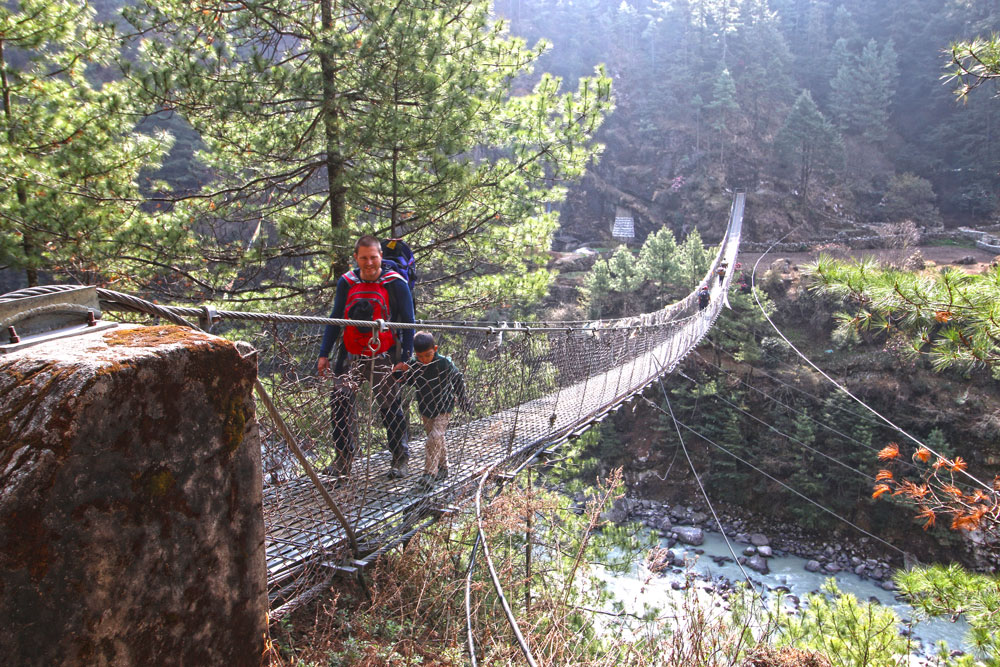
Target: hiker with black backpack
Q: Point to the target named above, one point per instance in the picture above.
(704, 296)
(372, 291)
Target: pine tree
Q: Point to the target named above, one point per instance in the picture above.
(810, 41)
(850, 632)
(70, 158)
(967, 138)
(842, 61)
(950, 317)
(862, 92)
(379, 119)
(625, 274)
(975, 62)
(694, 259)
(845, 27)
(723, 110)
(809, 139)
(763, 82)
(948, 590)
(626, 34)
(596, 288)
(659, 258)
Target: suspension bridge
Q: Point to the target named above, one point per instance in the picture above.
(533, 386)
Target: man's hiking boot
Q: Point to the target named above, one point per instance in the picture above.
(340, 469)
(442, 473)
(399, 469)
(425, 482)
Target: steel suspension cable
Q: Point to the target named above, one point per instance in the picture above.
(753, 277)
(549, 367)
(783, 434)
(856, 415)
(797, 411)
(786, 486)
(697, 478)
(496, 579)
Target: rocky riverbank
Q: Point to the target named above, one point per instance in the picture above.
(756, 540)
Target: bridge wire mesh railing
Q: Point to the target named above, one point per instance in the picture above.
(530, 385)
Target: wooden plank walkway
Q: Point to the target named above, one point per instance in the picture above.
(302, 532)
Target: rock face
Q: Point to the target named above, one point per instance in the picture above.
(131, 530)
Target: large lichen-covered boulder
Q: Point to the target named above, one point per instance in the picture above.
(131, 530)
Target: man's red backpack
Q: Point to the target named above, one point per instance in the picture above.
(369, 302)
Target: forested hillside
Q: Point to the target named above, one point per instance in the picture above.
(281, 142)
(828, 112)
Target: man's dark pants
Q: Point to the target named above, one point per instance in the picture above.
(388, 397)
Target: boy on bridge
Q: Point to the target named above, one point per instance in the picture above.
(438, 386)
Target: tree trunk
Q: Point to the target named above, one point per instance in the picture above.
(30, 249)
(334, 157)
(394, 222)
(30, 272)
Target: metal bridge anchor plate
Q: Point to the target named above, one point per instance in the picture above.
(41, 318)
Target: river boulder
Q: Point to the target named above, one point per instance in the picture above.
(755, 563)
(690, 535)
(759, 540)
(813, 566)
(758, 564)
(618, 513)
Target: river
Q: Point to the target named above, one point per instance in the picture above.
(638, 587)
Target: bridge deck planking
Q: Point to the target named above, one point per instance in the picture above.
(302, 530)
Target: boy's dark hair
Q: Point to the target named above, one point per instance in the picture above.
(422, 341)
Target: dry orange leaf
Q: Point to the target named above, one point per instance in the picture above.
(890, 451)
(880, 489)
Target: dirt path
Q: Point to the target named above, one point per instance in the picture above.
(933, 256)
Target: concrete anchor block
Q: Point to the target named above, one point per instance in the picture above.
(131, 529)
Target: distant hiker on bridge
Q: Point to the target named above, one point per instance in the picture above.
(438, 386)
(721, 271)
(369, 292)
(703, 297)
